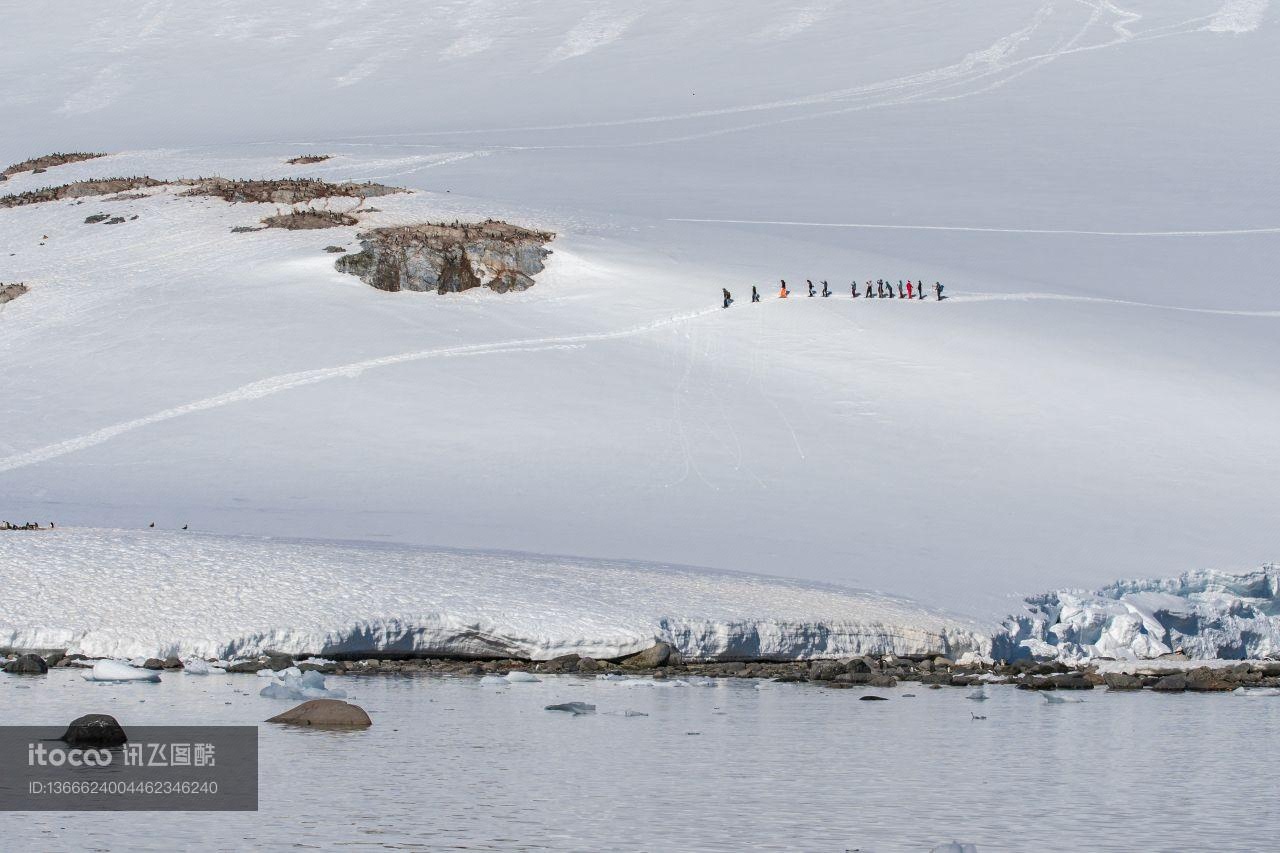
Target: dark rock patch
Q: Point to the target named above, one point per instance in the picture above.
(308, 159)
(95, 731)
(27, 665)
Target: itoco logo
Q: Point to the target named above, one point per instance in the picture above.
(38, 755)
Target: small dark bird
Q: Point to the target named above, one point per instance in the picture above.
(153, 524)
(184, 527)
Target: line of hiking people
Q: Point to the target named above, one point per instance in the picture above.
(883, 290)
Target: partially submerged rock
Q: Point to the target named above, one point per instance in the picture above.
(449, 258)
(325, 713)
(27, 665)
(94, 731)
(574, 708)
(307, 159)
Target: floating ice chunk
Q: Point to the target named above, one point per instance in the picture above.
(574, 708)
(118, 670)
(195, 666)
(494, 680)
(138, 662)
(611, 676)
(1060, 700)
(520, 677)
(1258, 693)
(630, 713)
(266, 673)
(955, 847)
(979, 695)
(307, 685)
(700, 681)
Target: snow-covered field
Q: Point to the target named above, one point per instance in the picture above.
(1094, 182)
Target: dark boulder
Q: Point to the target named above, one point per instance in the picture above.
(1170, 684)
(652, 657)
(563, 663)
(1122, 681)
(1204, 679)
(27, 665)
(95, 731)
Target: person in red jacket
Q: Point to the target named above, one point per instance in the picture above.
(910, 293)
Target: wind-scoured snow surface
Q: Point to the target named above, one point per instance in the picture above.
(1203, 614)
(1093, 180)
(131, 594)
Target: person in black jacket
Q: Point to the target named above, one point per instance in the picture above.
(755, 294)
(811, 291)
(728, 297)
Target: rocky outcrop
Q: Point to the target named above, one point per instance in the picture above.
(10, 292)
(449, 258)
(283, 190)
(307, 159)
(47, 161)
(305, 219)
(80, 189)
(275, 191)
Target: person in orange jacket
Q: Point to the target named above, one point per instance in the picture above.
(782, 294)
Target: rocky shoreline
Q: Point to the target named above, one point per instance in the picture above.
(663, 662)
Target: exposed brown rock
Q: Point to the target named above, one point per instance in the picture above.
(449, 258)
(47, 161)
(304, 219)
(325, 713)
(10, 292)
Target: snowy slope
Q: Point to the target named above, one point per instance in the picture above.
(130, 594)
(1098, 400)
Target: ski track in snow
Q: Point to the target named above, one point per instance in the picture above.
(999, 60)
(288, 381)
(1233, 232)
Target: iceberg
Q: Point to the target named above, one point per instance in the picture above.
(1202, 614)
(118, 670)
(520, 677)
(296, 686)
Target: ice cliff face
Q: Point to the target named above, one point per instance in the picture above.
(1204, 614)
(449, 258)
(154, 593)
